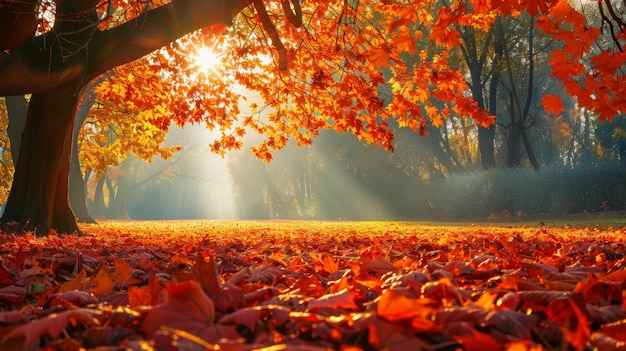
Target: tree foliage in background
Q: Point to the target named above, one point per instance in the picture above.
(6, 162)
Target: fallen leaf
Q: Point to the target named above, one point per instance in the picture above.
(149, 295)
(383, 335)
(5, 277)
(52, 325)
(186, 308)
(343, 300)
(77, 283)
(250, 317)
(225, 298)
(71, 299)
(102, 282)
(393, 305)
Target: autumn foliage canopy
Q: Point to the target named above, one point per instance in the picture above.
(287, 71)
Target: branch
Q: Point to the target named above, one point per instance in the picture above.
(156, 28)
(269, 27)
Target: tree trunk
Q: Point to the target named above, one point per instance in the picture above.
(513, 151)
(39, 196)
(529, 150)
(78, 199)
(17, 108)
(488, 135)
(486, 148)
(98, 207)
(475, 63)
(77, 188)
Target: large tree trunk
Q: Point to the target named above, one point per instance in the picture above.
(39, 196)
(17, 108)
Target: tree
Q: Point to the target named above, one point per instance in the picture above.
(54, 67)
(319, 64)
(483, 66)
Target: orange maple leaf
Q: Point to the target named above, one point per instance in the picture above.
(394, 305)
(102, 282)
(384, 335)
(149, 295)
(76, 283)
(379, 57)
(578, 337)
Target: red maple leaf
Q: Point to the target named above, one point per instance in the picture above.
(252, 316)
(186, 308)
(578, 337)
(52, 325)
(342, 300)
(384, 335)
(5, 277)
(224, 296)
(552, 103)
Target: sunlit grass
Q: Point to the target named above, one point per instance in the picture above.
(436, 233)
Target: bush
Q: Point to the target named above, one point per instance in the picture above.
(552, 190)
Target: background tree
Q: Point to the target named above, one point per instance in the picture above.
(120, 130)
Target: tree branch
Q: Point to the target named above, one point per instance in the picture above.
(156, 28)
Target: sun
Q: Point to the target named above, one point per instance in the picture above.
(206, 60)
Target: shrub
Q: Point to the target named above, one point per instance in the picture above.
(553, 190)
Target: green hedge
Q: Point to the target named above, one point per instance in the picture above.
(552, 190)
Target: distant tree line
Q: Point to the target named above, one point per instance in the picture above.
(438, 176)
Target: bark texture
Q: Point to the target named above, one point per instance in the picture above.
(38, 200)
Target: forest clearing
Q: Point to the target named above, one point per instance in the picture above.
(312, 285)
(507, 110)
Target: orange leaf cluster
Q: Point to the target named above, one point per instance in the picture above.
(358, 68)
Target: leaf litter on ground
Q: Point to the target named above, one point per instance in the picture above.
(304, 285)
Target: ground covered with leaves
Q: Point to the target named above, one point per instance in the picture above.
(191, 285)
